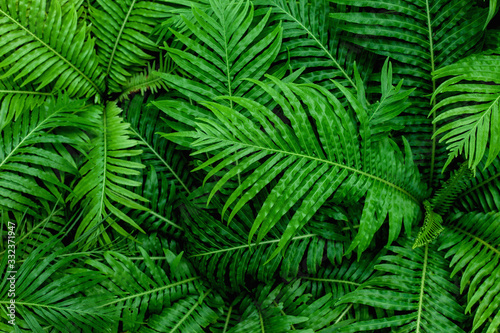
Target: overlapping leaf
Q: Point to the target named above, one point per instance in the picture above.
(473, 243)
(49, 47)
(122, 29)
(310, 167)
(146, 287)
(416, 286)
(48, 297)
(470, 106)
(31, 149)
(419, 37)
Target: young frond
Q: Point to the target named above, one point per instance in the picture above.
(431, 229)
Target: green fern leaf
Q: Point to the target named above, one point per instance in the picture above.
(473, 242)
(484, 191)
(122, 29)
(415, 281)
(478, 101)
(431, 229)
(49, 48)
(420, 37)
(314, 167)
(103, 182)
(26, 155)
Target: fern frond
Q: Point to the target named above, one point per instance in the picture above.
(315, 167)
(14, 100)
(145, 288)
(26, 154)
(122, 29)
(310, 39)
(456, 185)
(49, 295)
(473, 243)
(472, 111)
(484, 191)
(49, 48)
(431, 229)
(145, 123)
(104, 174)
(419, 37)
(141, 82)
(416, 286)
(342, 279)
(227, 45)
(225, 258)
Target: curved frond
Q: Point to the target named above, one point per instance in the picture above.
(473, 243)
(224, 257)
(451, 189)
(431, 228)
(14, 100)
(309, 167)
(122, 29)
(415, 284)
(104, 175)
(419, 37)
(224, 46)
(46, 295)
(49, 48)
(470, 107)
(145, 287)
(26, 154)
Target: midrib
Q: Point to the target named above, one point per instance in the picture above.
(434, 126)
(342, 166)
(53, 51)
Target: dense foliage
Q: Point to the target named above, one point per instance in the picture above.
(249, 166)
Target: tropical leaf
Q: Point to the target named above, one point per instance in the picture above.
(227, 45)
(104, 175)
(49, 48)
(190, 314)
(484, 191)
(447, 194)
(145, 287)
(31, 150)
(431, 228)
(416, 286)
(473, 242)
(222, 254)
(470, 108)
(419, 37)
(47, 296)
(14, 100)
(315, 167)
(122, 29)
(311, 40)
